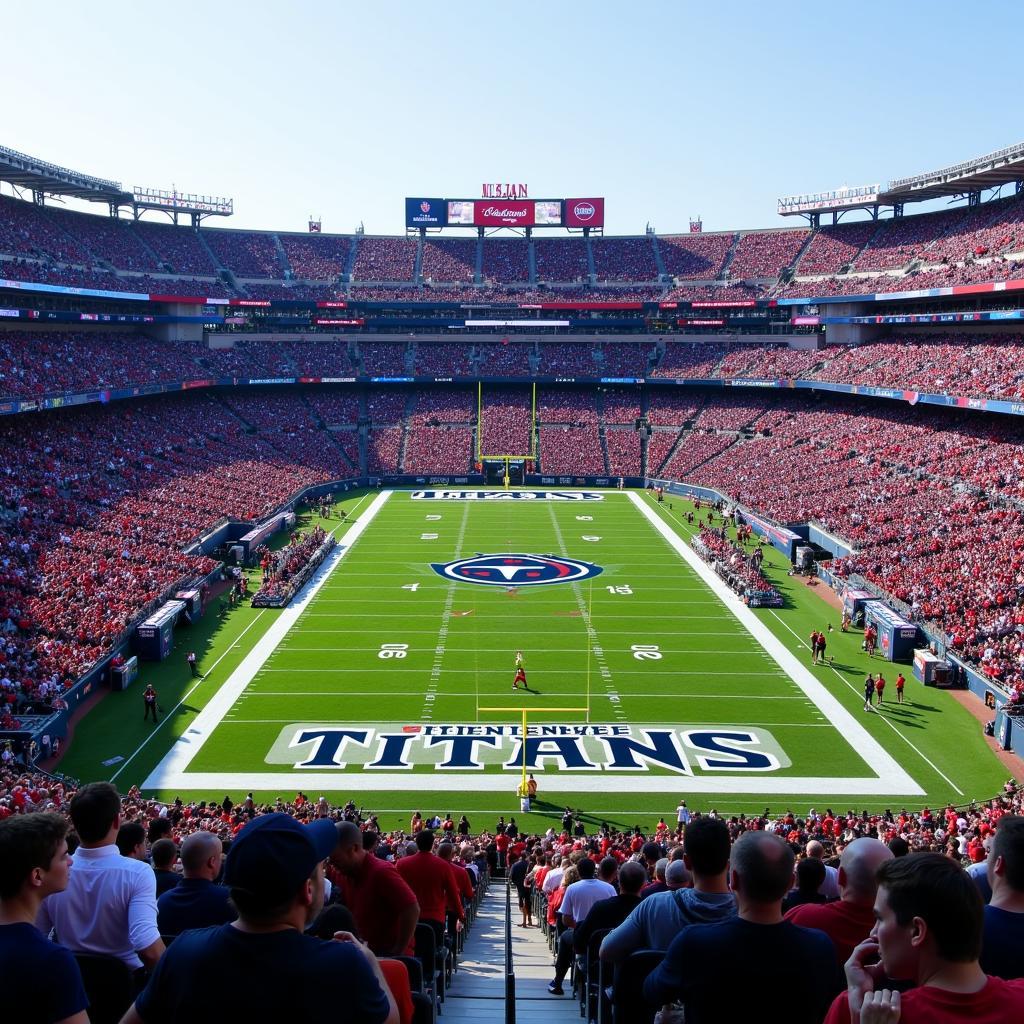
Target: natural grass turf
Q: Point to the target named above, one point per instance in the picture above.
(711, 672)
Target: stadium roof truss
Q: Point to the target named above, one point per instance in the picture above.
(969, 179)
(45, 178)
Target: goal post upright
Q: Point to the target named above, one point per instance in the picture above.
(526, 712)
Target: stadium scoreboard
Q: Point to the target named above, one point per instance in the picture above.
(504, 213)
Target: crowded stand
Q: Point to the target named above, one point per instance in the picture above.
(694, 449)
(902, 239)
(765, 253)
(671, 409)
(695, 257)
(769, 361)
(317, 257)
(451, 360)
(561, 259)
(449, 259)
(179, 248)
(625, 359)
(623, 452)
(383, 358)
(505, 427)
(249, 357)
(335, 408)
(245, 253)
(434, 407)
(319, 356)
(446, 449)
(686, 359)
(987, 230)
(624, 259)
(505, 260)
(107, 238)
(740, 569)
(659, 445)
(710, 293)
(571, 450)
(835, 246)
(285, 570)
(289, 291)
(620, 405)
(101, 538)
(506, 358)
(567, 358)
(386, 406)
(745, 879)
(34, 363)
(410, 293)
(561, 405)
(382, 450)
(384, 259)
(26, 230)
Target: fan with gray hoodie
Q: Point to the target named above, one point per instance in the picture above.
(659, 918)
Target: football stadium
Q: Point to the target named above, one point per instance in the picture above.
(666, 583)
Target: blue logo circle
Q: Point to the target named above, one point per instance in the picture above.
(516, 570)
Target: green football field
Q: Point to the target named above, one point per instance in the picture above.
(390, 681)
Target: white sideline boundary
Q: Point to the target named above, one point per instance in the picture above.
(171, 769)
(890, 778)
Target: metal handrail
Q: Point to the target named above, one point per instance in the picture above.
(510, 974)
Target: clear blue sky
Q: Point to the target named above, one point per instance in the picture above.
(667, 109)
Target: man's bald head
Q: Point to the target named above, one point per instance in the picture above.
(350, 852)
(200, 855)
(445, 851)
(815, 849)
(858, 867)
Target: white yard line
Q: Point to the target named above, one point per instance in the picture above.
(176, 760)
(889, 723)
(870, 750)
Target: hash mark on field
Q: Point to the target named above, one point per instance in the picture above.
(592, 639)
(442, 634)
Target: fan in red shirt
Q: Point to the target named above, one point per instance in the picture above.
(928, 930)
(384, 907)
(430, 878)
(848, 920)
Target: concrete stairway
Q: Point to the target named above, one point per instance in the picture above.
(477, 995)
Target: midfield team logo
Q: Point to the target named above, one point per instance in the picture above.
(516, 570)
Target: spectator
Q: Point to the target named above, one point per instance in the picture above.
(109, 906)
(1003, 936)
(810, 875)
(275, 873)
(39, 979)
(657, 920)
(611, 912)
(848, 921)
(163, 854)
(384, 907)
(929, 932)
(430, 878)
(196, 901)
(754, 953)
(131, 841)
(579, 898)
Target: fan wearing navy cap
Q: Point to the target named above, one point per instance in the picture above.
(275, 873)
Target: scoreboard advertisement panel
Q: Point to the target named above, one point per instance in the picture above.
(504, 213)
(425, 213)
(584, 213)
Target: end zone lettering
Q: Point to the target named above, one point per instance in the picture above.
(507, 496)
(680, 750)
